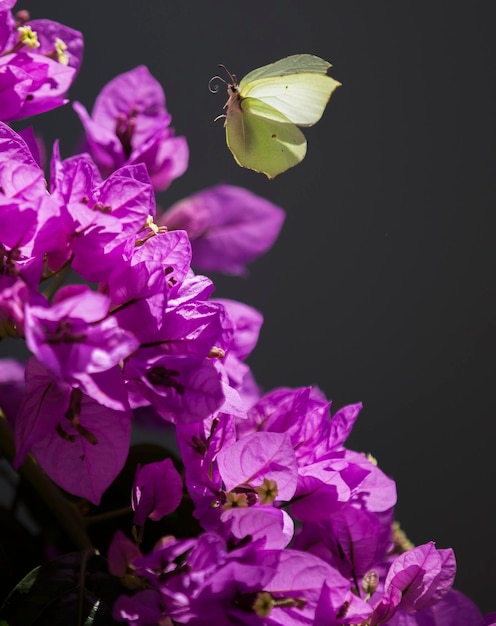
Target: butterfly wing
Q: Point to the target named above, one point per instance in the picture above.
(302, 98)
(263, 139)
(294, 64)
(298, 87)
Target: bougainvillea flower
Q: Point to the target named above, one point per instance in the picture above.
(180, 387)
(199, 444)
(245, 585)
(29, 217)
(107, 221)
(228, 227)
(423, 575)
(81, 444)
(377, 492)
(257, 457)
(73, 179)
(350, 540)
(59, 42)
(345, 476)
(142, 286)
(74, 336)
(21, 178)
(454, 609)
(304, 414)
(194, 287)
(174, 368)
(157, 491)
(269, 523)
(25, 85)
(256, 472)
(19, 256)
(324, 486)
(121, 552)
(305, 576)
(38, 63)
(130, 124)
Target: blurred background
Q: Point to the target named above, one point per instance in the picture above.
(381, 287)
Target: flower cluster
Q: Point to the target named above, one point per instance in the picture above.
(295, 527)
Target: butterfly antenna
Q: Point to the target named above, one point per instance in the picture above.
(214, 87)
(232, 77)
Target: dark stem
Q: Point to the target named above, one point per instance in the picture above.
(82, 575)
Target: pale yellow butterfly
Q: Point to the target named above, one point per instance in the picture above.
(266, 107)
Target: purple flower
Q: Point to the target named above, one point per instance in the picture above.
(145, 286)
(200, 443)
(80, 344)
(25, 237)
(329, 476)
(207, 581)
(102, 221)
(121, 552)
(306, 577)
(350, 540)
(180, 387)
(59, 42)
(424, 575)
(269, 523)
(228, 227)
(259, 457)
(454, 609)
(81, 444)
(130, 124)
(30, 220)
(234, 485)
(174, 369)
(304, 414)
(157, 491)
(21, 178)
(38, 63)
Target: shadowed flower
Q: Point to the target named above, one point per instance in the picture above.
(81, 444)
(157, 491)
(228, 227)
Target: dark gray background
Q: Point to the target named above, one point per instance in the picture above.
(381, 286)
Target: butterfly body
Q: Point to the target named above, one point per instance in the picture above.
(266, 107)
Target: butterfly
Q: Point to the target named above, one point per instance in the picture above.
(266, 107)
